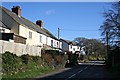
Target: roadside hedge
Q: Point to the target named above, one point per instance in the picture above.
(11, 63)
(50, 56)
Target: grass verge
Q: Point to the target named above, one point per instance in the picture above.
(27, 74)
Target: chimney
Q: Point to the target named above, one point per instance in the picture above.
(39, 23)
(17, 10)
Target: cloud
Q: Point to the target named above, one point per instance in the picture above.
(49, 12)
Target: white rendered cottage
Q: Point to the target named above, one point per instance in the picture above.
(25, 31)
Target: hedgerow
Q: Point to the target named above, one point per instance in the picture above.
(11, 63)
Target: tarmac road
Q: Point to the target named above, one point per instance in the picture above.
(92, 70)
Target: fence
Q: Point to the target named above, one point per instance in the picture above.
(19, 49)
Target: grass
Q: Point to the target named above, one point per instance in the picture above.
(31, 72)
(27, 74)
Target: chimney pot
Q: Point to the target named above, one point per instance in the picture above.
(39, 23)
(17, 10)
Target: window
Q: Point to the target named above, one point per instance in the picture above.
(73, 49)
(71, 46)
(77, 47)
(40, 38)
(30, 34)
(57, 45)
(52, 43)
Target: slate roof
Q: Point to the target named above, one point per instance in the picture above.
(28, 23)
(69, 42)
(3, 25)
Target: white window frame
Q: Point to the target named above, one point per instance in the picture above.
(30, 35)
(40, 38)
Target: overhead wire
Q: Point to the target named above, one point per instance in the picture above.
(76, 30)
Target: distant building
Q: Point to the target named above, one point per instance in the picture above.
(82, 50)
(69, 46)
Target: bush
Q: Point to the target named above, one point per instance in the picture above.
(50, 55)
(36, 58)
(25, 58)
(81, 57)
(47, 58)
(58, 59)
(10, 62)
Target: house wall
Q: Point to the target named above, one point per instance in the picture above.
(60, 45)
(65, 46)
(35, 40)
(4, 30)
(7, 31)
(78, 48)
(49, 41)
(44, 39)
(8, 21)
(74, 48)
(56, 43)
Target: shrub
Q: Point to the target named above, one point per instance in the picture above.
(81, 57)
(10, 62)
(59, 59)
(25, 58)
(50, 55)
(53, 53)
(47, 58)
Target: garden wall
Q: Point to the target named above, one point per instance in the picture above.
(19, 49)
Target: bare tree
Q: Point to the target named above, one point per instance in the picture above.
(111, 25)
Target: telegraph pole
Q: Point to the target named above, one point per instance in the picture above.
(58, 33)
(107, 44)
(59, 37)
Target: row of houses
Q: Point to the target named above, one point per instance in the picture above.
(15, 28)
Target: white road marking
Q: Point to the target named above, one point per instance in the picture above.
(76, 73)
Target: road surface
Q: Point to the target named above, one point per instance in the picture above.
(92, 70)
